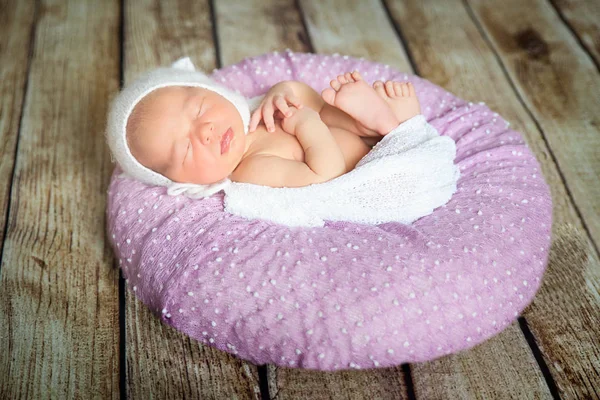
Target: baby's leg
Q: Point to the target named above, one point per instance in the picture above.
(349, 93)
(400, 97)
(334, 117)
(353, 146)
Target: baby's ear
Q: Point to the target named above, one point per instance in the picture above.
(184, 63)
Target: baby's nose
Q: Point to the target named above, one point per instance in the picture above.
(207, 131)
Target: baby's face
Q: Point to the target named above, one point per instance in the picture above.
(187, 134)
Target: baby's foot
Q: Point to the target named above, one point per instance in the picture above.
(351, 94)
(401, 98)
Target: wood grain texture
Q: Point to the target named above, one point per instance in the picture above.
(559, 84)
(565, 317)
(450, 51)
(483, 372)
(292, 384)
(583, 16)
(59, 329)
(358, 28)
(16, 22)
(161, 362)
(253, 27)
(159, 32)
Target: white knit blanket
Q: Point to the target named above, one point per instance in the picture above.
(408, 174)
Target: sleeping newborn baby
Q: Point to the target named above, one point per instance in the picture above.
(354, 152)
(295, 137)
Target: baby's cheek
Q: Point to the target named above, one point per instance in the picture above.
(138, 152)
(159, 160)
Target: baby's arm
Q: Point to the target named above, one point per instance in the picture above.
(323, 157)
(307, 95)
(321, 151)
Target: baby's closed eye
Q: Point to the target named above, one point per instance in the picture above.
(201, 107)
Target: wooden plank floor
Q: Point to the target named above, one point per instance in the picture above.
(69, 328)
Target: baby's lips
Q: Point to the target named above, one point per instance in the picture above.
(226, 140)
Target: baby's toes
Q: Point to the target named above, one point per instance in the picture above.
(389, 88)
(405, 89)
(342, 79)
(335, 84)
(397, 89)
(411, 89)
(329, 96)
(380, 89)
(349, 77)
(357, 77)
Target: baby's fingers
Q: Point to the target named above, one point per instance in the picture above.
(268, 112)
(255, 119)
(279, 115)
(282, 105)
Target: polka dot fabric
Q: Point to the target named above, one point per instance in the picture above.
(345, 295)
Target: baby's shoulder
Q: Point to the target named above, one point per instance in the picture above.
(280, 144)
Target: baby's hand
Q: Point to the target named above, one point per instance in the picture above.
(277, 98)
(297, 118)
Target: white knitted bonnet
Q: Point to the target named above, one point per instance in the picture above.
(181, 73)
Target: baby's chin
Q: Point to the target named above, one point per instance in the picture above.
(195, 179)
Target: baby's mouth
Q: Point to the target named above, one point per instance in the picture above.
(226, 140)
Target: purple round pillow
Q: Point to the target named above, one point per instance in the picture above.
(346, 295)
